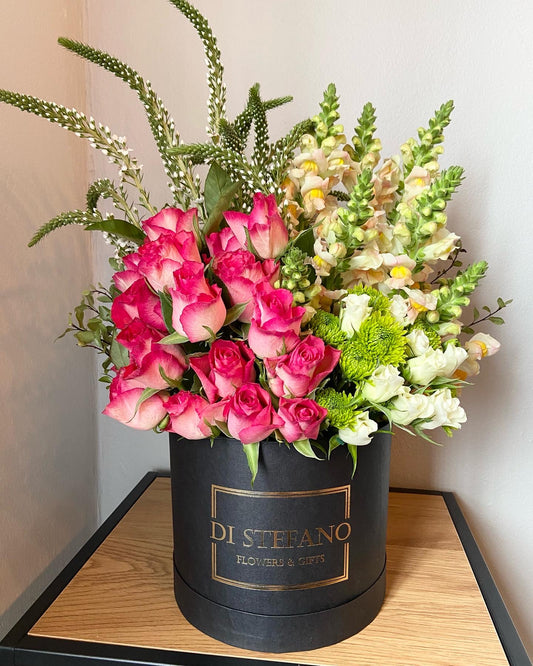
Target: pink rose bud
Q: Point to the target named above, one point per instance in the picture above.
(123, 405)
(169, 219)
(241, 272)
(138, 302)
(266, 229)
(302, 419)
(227, 366)
(249, 414)
(300, 372)
(158, 259)
(167, 360)
(222, 241)
(275, 325)
(198, 310)
(186, 411)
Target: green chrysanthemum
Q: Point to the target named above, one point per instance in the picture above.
(342, 408)
(378, 301)
(379, 341)
(432, 335)
(326, 326)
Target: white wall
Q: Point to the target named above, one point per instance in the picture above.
(407, 58)
(47, 445)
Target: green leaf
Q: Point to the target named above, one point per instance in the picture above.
(501, 303)
(352, 448)
(216, 183)
(166, 310)
(305, 241)
(147, 393)
(120, 356)
(175, 383)
(497, 320)
(223, 428)
(118, 228)
(476, 313)
(219, 192)
(467, 329)
(234, 313)
(304, 447)
(334, 442)
(252, 456)
(84, 338)
(173, 339)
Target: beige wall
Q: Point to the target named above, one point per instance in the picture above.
(47, 440)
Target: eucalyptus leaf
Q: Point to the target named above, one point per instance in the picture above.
(252, 456)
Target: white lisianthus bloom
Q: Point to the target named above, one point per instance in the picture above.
(435, 363)
(398, 309)
(440, 246)
(354, 311)
(360, 432)
(418, 341)
(408, 407)
(384, 384)
(481, 345)
(446, 411)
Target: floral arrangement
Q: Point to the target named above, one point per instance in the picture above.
(305, 291)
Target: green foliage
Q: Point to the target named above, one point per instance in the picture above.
(325, 121)
(359, 209)
(428, 149)
(453, 297)
(216, 104)
(161, 123)
(62, 220)
(92, 327)
(363, 141)
(295, 273)
(99, 137)
(219, 192)
(260, 153)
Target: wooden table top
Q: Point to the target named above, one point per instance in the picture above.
(433, 612)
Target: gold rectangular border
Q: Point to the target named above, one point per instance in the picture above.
(289, 493)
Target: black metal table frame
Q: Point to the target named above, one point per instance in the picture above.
(20, 649)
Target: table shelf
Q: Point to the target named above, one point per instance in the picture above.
(114, 603)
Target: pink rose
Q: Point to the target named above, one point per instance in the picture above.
(137, 302)
(300, 372)
(159, 259)
(169, 219)
(186, 411)
(198, 310)
(167, 358)
(123, 400)
(241, 272)
(302, 419)
(249, 414)
(222, 241)
(266, 229)
(275, 325)
(227, 366)
(137, 337)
